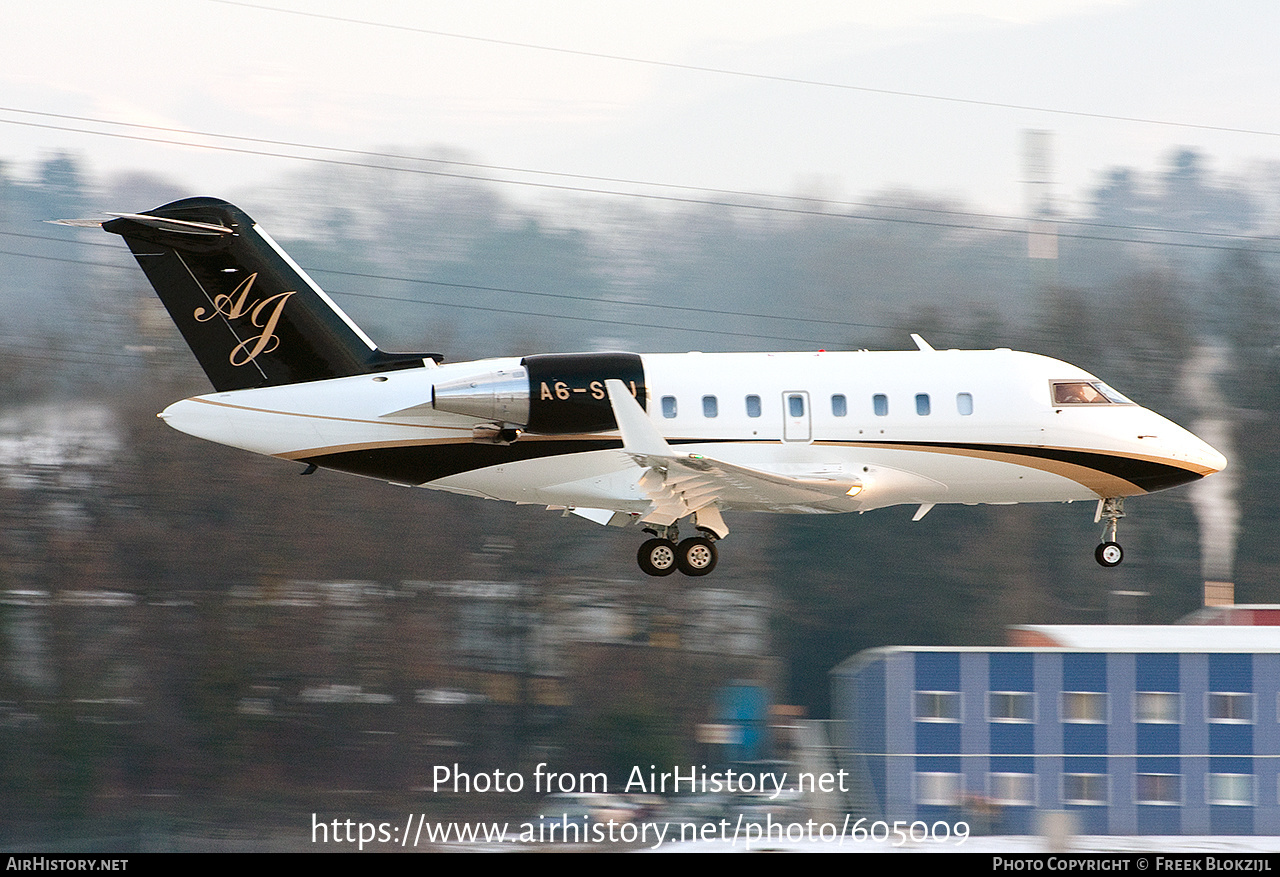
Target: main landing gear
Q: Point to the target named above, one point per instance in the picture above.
(665, 553)
(1111, 510)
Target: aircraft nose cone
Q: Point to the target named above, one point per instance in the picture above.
(1212, 459)
(1202, 453)
(1199, 455)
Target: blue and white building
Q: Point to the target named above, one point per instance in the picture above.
(1135, 729)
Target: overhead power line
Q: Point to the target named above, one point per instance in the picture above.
(506, 310)
(755, 201)
(579, 299)
(748, 74)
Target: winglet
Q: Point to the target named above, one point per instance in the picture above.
(639, 435)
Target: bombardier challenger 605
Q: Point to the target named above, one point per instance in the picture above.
(650, 440)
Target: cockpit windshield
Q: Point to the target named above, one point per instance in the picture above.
(1087, 393)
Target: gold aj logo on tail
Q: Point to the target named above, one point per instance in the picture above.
(263, 314)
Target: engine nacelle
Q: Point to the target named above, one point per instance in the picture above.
(550, 393)
(500, 396)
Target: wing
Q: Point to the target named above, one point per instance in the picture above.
(679, 484)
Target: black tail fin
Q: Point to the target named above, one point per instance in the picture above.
(252, 317)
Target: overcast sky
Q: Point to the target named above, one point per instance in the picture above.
(229, 68)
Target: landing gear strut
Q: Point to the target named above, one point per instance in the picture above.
(1111, 510)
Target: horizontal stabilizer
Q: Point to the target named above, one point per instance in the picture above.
(178, 226)
(78, 223)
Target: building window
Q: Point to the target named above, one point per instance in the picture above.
(964, 403)
(1232, 789)
(668, 406)
(880, 402)
(1084, 788)
(938, 789)
(753, 406)
(1013, 789)
(922, 404)
(1011, 706)
(710, 407)
(1084, 706)
(1230, 708)
(937, 706)
(839, 407)
(1157, 707)
(1158, 788)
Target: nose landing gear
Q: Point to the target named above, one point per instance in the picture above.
(1111, 510)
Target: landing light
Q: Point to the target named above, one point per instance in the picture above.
(854, 491)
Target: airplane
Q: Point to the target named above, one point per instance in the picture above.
(626, 439)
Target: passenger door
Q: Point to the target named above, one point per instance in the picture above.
(796, 418)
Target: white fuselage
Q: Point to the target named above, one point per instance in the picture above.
(952, 426)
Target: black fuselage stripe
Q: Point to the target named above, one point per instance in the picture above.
(419, 464)
(1150, 475)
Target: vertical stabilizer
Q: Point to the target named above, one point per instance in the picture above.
(250, 314)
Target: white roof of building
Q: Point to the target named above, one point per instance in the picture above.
(1149, 637)
(1197, 636)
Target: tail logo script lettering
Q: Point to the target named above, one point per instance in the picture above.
(264, 315)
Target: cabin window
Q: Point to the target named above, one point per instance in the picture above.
(839, 407)
(964, 403)
(668, 406)
(795, 405)
(922, 404)
(710, 408)
(880, 402)
(753, 406)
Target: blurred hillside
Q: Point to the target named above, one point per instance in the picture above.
(149, 643)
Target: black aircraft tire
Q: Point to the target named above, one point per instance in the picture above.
(1109, 554)
(657, 557)
(697, 556)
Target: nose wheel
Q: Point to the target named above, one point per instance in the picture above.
(1109, 554)
(1110, 510)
